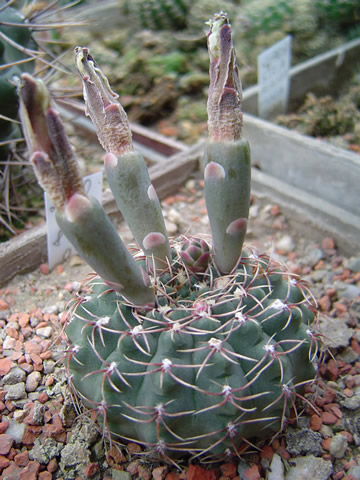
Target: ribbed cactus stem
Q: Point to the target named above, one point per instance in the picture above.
(227, 156)
(125, 169)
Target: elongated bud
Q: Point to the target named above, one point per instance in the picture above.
(52, 155)
(108, 116)
(227, 155)
(225, 93)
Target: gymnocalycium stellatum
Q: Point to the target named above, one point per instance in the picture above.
(191, 346)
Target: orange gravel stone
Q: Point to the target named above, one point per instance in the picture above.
(6, 442)
(315, 423)
(30, 472)
(44, 268)
(4, 462)
(348, 392)
(198, 473)
(252, 473)
(172, 476)
(52, 465)
(228, 470)
(4, 426)
(45, 475)
(5, 365)
(3, 305)
(326, 444)
(24, 319)
(33, 347)
(328, 418)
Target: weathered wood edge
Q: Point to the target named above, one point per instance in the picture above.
(25, 252)
(314, 166)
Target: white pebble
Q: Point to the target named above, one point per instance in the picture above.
(44, 332)
(32, 381)
(171, 227)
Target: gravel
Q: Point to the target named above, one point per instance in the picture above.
(42, 436)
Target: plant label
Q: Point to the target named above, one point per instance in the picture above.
(58, 246)
(273, 78)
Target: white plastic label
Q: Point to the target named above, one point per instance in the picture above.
(58, 246)
(273, 78)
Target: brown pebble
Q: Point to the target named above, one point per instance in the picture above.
(159, 473)
(324, 303)
(33, 347)
(22, 459)
(328, 243)
(315, 423)
(328, 418)
(49, 381)
(24, 319)
(43, 397)
(45, 475)
(46, 355)
(6, 442)
(339, 475)
(52, 465)
(348, 392)
(27, 367)
(44, 268)
(5, 365)
(12, 471)
(228, 469)
(91, 469)
(172, 476)
(133, 448)
(3, 305)
(4, 462)
(332, 370)
(340, 308)
(4, 426)
(30, 472)
(326, 444)
(275, 210)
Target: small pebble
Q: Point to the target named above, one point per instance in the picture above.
(32, 381)
(16, 391)
(44, 332)
(338, 445)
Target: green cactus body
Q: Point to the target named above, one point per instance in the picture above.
(187, 346)
(219, 359)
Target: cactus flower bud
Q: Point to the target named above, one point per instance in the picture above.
(195, 254)
(52, 155)
(108, 116)
(224, 100)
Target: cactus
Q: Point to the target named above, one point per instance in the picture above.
(158, 14)
(190, 346)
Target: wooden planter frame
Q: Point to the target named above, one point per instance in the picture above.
(316, 184)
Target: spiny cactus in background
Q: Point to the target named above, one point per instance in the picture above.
(23, 48)
(158, 14)
(315, 26)
(189, 346)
